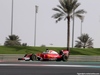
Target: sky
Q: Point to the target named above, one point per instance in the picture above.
(47, 32)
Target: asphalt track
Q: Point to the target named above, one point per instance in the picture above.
(49, 68)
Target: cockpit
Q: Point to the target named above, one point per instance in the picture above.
(50, 52)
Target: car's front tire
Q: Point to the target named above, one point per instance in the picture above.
(33, 57)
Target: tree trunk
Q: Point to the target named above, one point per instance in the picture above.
(84, 45)
(68, 33)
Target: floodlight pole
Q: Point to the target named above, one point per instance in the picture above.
(12, 18)
(81, 27)
(36, 10)
(73, 31)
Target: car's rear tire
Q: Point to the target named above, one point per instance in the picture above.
(64, 57)
(33, 57)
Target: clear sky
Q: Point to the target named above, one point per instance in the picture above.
(47, 30)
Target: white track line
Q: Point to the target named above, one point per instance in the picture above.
(41, 65)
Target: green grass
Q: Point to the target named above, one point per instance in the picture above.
(91, 51)
(29, 49)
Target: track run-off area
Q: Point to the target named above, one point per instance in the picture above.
(49, 67)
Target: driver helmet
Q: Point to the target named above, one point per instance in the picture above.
(47, 50)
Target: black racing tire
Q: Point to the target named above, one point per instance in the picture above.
(33, 57)
(64, 57)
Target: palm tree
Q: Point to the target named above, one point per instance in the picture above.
(84, 41)
(12, 40)
(65, 11)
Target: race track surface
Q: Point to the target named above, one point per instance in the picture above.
(49, 68)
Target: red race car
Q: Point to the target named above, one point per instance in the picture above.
(47, 55)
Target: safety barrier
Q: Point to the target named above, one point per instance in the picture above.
(83, 58)
(72, 58)
(10, 57)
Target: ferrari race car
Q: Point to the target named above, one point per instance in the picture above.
(48, 55)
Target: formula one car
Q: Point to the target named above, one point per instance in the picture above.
(48, 55)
